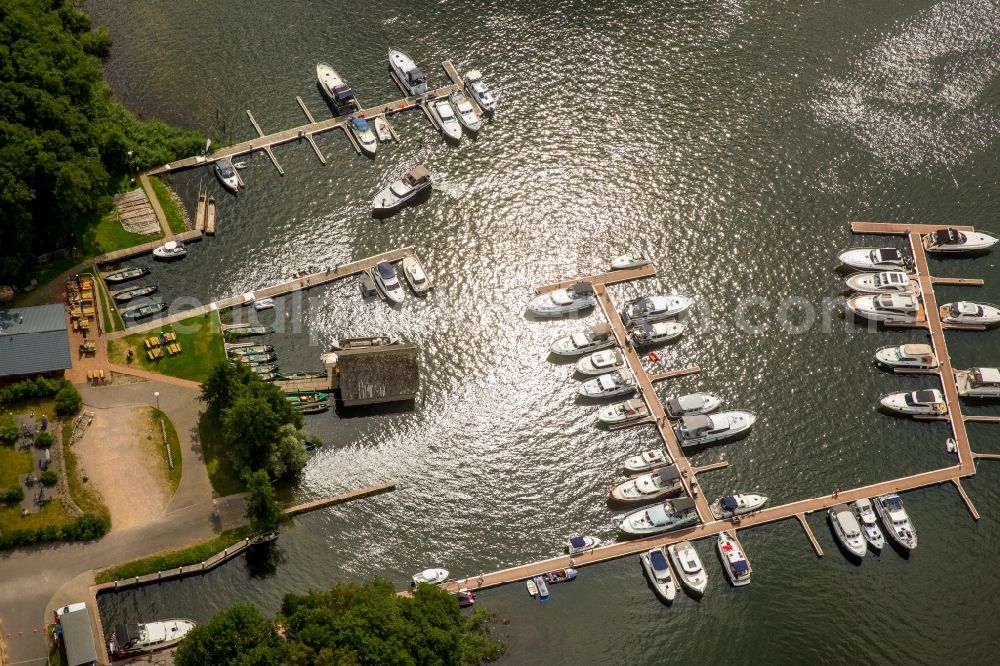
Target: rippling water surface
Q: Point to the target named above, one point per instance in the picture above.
(732, 140)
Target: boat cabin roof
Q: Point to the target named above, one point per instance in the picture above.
(386, 270)
(741, 566)
(927, 396)
(419, 173)
(917, 350)
(946, 236)
(669, 473)
(657, 560)
(415, 76)
(966, 308)
(359, 123)
(695, 423)
(606, 382)
(601, 329)
(730, 503)
(473, 74)
(897, 301)
(893, 277)
(986, 375)
(578, 541)
(888, 254)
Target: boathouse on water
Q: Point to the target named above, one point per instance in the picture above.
(370, 375)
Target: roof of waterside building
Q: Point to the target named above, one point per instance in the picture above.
(33, 340)
(378, 374)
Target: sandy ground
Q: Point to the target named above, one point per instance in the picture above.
(119, 456)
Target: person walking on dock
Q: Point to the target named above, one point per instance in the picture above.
(836, 491)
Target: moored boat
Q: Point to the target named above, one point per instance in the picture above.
(301, 374)
(876, 259)
(446, 120)
(953, 241)
(967, 312)
(868, 520)
(415, 276)
(311, 407)
(886, 308)
(464, 597)
(927, 402)
(264, 369)
(126, 295)
(600, 362)
(126, 274)
(622, 412)
(890, 509)
(542, 587)
(692, 404)
(129, 639)
(561, 302)
(883, 283)
(661, 332)
(632, 259)
(466, 113)
(382, 131)
(254, 359)
(907, 356)
(335, 89)
(305, 397)
(978, 382)
(403, 191)
(738, 504)
(249, 350)
(362, 131)
(430, 576)
(147, 310)
(646, 461)
(657, 569)
(245, 330)
(262, 304)
(363, 342)
(847, 530)
(385, 277)
(559, 576)
(170, 250)
(477, 88)
(661, 517)
(576, 545)
(609, 385)
(734, 559)
(407, 72)
(663, 483)
(226, 173)
(653, 308)
(690, 571)
(599, 336)
(698, 430)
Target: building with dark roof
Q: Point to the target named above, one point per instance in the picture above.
(78, 638)
(34, 341)
(372, 375)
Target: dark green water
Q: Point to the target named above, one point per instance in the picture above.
(734, 141)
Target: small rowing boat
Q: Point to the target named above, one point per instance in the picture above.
(126, 274)
(126, 295)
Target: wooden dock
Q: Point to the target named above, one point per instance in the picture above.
(370, 491)
(145, 248)
(613, 277)
(670, 374)
(899, 229)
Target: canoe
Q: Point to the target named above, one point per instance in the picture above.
(144, 310)
(126, 295)
(126, 274)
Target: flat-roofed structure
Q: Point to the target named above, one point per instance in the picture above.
(34, 341)
(78, 638)
(371, 375)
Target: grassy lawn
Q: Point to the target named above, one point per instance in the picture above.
(201, 349)
(86, 496)
(175, 218)
(13, 463)
(109, 313)
(172, 559)
(110, 235)
(173, 475)
(225, 479)
(52, 514)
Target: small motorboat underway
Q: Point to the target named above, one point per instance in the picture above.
(227, 175)
(126, 274)
(147, 310)
(654, 562)
(928, 402)
(907, 356)
(610, 385)
(622, 412)
(403, 191)
(466, 113)
(887, 308)
(559, 576)
(430, 576)
(132, 639)
(646, 461)
(663, 517)
(170, 250)
(382, 131)
(598, 336)
(653, 308)
(410, 76)
(484, 98)
(336, 90)
(415, 276)
(890, 510)
(692, 404)
(563, 301)
(632, 259)
(734, 560)
(736, 505)
(697, 430)
(875, 259)
(967, 312)
(664, 483)
(262, 304)
(600, 362)
(575, 545)
(848, 530)
(978, 382)
(646, 335)
(866, 517)
(126, 295)
(385, 277)
(446, 120)
(953, 241)
(883, 283)
(362, 131)
(690, 571)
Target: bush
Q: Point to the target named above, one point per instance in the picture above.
(68, 400)
(86, 527)
(9, 433)
(13, 494)
(44, 439)
(48, 478)
(31, 389)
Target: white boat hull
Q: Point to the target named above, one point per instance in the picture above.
(600, 362)
(665, 588)
(730, 551)
(646, 462)
(896, 403)
(894, 357)
(974, 242)
(740, 423)
(688, 567)
(872, 283)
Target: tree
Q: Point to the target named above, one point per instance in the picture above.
(68, 400)
(288, 455)
(250, 429)
(224, 381)
(263, 511)
(240, 636)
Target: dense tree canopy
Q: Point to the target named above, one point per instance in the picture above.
(263, 511)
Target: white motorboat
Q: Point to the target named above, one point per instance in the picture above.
(632, 259)
(576, 545)
(662, 517)
(890, 509)
(430, 576)
(663, 483)
(466, 113)
(385, 277)
(336, 90)
(129, 639)
(692, 404)
(967, 312)
(563, 301)
(599, 336)
(866, 517)
(362, 131)
(382, 131)
(227, 175)
(848, 530)
(928, 402)
(532, 587)
(484, 98)
(697, 430)
(403, 191)
(883, 283)
(170, 250)
(409, 75)
(415, 276)
(953, 241)
(609, 385)
(690, 571)
(263, 304)
(907, 356)
(736, 505)
(876, 259)
(653, 308)
(734, 560)
(446, 119)
(646, 461)
(887, 308)
(978, 382)
(646, 335)
(654, 562)
(602, 361)
(621, 412)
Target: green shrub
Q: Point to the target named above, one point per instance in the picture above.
(44, 439)
(48, 478)
(9, 433)
(68, 400)
(13, 494)
(31, 389)
(86, 527)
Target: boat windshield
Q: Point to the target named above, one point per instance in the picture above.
(225, 170)
(359, 124)
(386, 271)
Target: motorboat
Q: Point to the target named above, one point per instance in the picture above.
(654, 562)
(385, 277)
(692, 404)
(890, 509)
(170, 250)
(646, 461)
(978, 382)
(531, 587)
(415, 276)
(362, 131)
(653, 308)
(403, 191)
(227, 175)
(736, 505)
(951, 445)
(446, 119)
(382, 131)
(690, 572)
(622, 412)
(126, 274)
(875, 259)
(928, 402)
(887, 308)
(953, 241)
(409, 75)
(336, 90)
(126, 295)
(662, 517)
(866, 517)
(465, 598)
(734, 559)
(479, 92)
(706, 429)
(631, 259)
(886, 282)
(967, 312)
(663, 483)
(847, 530)
(146, 310)
(240, 165)
(576, 545)
(609, 385)
(560, 576)
(907, 356)
(430, 576)
(131, 638)
(542, 587)
(598, 336)
(263, 304)
(561, 302)
(466, 113)
(645, 335)
(602, 361)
